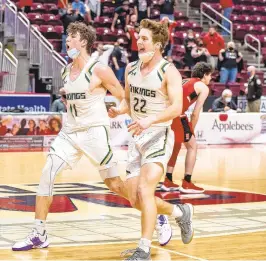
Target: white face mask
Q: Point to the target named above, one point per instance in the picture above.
(73, 53)
(146, 57)
(228, 99)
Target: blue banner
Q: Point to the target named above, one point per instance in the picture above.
(27, 102)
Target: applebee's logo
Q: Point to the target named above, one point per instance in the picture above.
(223, 125)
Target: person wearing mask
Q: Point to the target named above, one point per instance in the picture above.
(69, 16)
(121, 16)
(189, 43)
(59, 105)
(253, 91)
(132, 34)
(142, 9)
(79, 6)
(227, 6)
(200, 53)
(167, 8)
(229, 60)
(120, 60)
(224, 103)
(103, 53)
(214, 42)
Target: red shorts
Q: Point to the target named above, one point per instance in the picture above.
(182, 129)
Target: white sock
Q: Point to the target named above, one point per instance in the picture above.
(145, 244)
(40, 226)
(177, 213)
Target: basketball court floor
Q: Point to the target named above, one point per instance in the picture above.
(87, 222)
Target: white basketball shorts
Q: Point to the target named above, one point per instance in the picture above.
(153, 145)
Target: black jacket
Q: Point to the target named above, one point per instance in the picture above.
(254, 89)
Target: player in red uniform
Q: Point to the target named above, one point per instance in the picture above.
(195, 90)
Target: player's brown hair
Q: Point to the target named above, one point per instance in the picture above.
(200, 69)
(86, 33)
(159, 31)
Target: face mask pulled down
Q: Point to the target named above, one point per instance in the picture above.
(147, 56)
(73, 53)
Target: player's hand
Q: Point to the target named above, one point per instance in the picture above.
(222, 50)
(113, 112)
(137, 127)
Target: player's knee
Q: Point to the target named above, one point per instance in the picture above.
(53, 166)
(115, 185)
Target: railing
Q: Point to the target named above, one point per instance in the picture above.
(188, 7)
(22, 32)
(203, 13)
(10, 19)
(46, 58)
(1, 55)
(258, 51)
(58, 63)
(35, 57)
(10, 65)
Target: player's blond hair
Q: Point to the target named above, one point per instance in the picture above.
(159, 31)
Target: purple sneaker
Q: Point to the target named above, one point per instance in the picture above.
(163, 229)
(33, 240)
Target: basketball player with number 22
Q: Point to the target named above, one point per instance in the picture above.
(153, 91)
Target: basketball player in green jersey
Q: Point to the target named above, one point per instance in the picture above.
(153, 89)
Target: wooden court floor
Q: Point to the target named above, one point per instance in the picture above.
(87, 222)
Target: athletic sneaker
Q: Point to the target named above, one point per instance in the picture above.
(190, 188)
(163, 229)
(33, 240)
(169, 185)
(138, 255)
(185, 222)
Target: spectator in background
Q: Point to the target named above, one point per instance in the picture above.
(32, 128)
(214, 42)
(142, 9)
(121, 17)
(224, 103)
(253, 90)
(167, 8)
(68, 16)
(79, 6)
(132, 34)
(59, 105)
(229, 59)
(103, 53)
(227, 6)
(133, 20)
(169, 47)
(200, 53)
(189, 43)
(93, 8)
(120, 60)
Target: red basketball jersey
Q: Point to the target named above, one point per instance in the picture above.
(189, 93)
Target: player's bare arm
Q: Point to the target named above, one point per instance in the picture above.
(204, 92)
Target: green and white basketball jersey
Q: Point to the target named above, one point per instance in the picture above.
(146, 97)
(84, 109)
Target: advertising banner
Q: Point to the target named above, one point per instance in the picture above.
(28, 131)
(26, 102)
